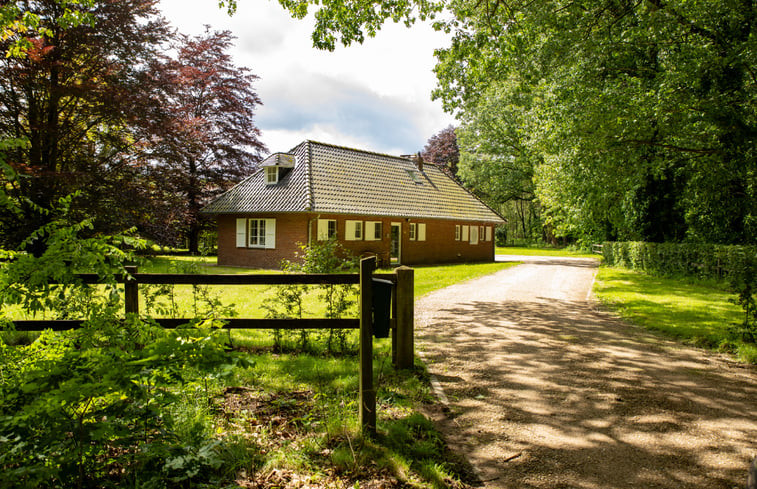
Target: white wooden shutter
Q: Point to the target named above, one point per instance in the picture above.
(241, 233)
(323, 229)
(488, 233)
(352, 230)
(270, 233)
(421, 231)
(465, 233)
(370, 230)
(474, 235)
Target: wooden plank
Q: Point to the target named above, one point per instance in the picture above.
(234, 323)
(405, 318)
(242, 279)
(367, 396)
(131, 293)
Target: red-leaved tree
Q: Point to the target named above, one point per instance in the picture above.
(209, 140)
(442, 150)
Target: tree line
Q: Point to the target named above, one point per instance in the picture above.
(610, 119)
(107, 102)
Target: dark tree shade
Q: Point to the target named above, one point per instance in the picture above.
(75, 98)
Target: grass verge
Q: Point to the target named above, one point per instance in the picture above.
(513, 250)
(695, 312)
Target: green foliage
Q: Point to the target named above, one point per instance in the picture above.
(48, 282)
(101, 406)
(320, 257)
(685, 259)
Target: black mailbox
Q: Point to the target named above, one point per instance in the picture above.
(382, 306)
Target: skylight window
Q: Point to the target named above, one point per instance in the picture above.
(414, 176)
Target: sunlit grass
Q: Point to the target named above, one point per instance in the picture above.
(695, 312)
(428, 279)
(513, 250)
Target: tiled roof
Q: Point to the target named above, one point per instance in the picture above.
(333, 179)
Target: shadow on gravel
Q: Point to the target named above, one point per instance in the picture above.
(557, 394)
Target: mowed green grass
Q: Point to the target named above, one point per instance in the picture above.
(248, 300)
(514, 250)
(694, 312)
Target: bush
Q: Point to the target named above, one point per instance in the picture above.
(707, 261)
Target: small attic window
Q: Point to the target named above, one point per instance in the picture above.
(414, 176)
(271, 175)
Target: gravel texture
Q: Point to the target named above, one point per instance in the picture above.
(545, 389)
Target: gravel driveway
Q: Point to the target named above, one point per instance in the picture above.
(546, 390)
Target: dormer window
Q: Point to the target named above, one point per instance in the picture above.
(271, 175)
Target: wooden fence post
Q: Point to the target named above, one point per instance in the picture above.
(405, 317)
(131, 292)
(367, 389)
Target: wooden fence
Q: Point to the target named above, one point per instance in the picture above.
(401, 314)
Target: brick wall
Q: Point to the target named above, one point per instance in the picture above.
(440, 245)
(291, 230)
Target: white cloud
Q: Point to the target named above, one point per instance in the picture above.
(374, 96)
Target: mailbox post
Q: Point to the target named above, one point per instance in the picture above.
(367, 389)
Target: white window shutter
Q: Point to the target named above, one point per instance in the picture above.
(351, 230)
(473, 235)
(270, 233)
(370, 231)
(465, 233)
(323, 229)
(421, 231)
(241, 233)
(488, 233)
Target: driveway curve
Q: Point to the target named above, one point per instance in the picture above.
(544, 389)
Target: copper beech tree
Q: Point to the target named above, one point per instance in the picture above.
(209, 140)
(92, 103)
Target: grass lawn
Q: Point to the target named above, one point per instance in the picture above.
(513, 250)
(695, 312)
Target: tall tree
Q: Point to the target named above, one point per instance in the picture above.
(442, 150)
(645, 110)
(73, 92)
(210, 140)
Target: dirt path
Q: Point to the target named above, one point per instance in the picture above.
(547, 391)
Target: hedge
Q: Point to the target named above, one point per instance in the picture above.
(666, 259)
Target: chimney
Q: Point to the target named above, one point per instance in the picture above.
(419, 161)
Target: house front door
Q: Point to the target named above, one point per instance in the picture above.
(396, 247)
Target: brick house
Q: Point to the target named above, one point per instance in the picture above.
(394, 207)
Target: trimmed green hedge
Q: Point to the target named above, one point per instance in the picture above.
(666, 259)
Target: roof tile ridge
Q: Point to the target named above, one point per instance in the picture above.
(309, 201)
(357, 150)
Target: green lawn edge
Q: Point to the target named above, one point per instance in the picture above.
(691, 311)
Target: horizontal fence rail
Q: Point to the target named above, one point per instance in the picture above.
(401, 315)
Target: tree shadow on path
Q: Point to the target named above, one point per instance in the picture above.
(557, 394)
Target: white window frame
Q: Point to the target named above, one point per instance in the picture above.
(464, 235)
(421, 231)
(458, 232)
(412, 231)
(473, 235)
(353, 230)
(323, 229)
(370, 230)
(266, 240)
(271, 177)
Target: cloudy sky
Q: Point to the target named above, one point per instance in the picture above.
(374, 96)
